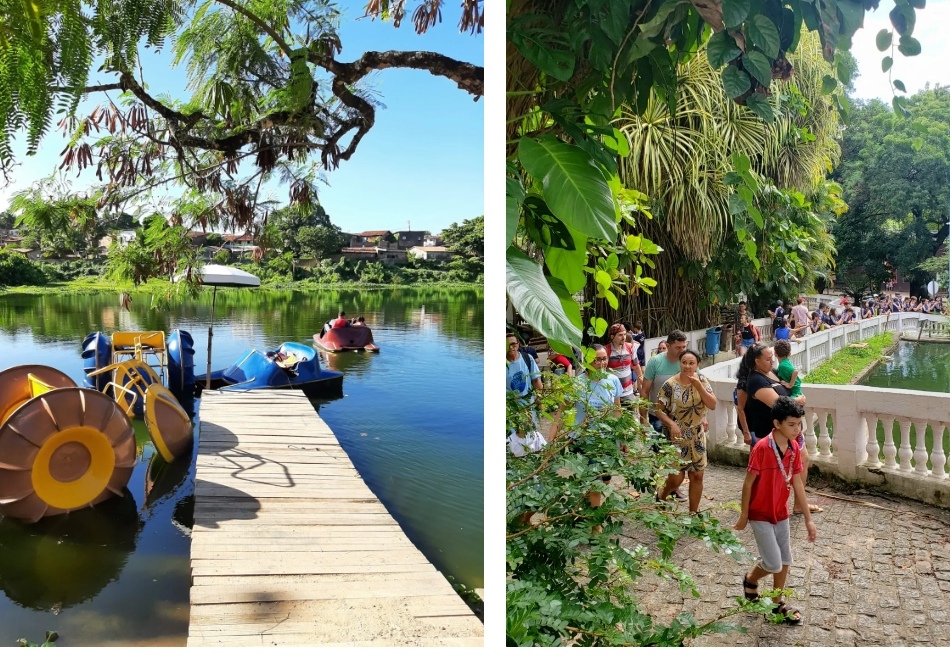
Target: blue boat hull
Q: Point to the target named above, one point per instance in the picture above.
(255, 370)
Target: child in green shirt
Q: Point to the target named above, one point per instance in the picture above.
(787, 373)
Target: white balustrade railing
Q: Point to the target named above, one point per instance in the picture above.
(860, 433)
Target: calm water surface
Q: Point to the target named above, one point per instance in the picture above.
(411, 419)
(913, 366)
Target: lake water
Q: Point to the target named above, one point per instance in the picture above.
(411, 419)
(913, 366)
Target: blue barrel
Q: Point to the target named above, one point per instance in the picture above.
(180, 348)
(96, 354)
(713, 336)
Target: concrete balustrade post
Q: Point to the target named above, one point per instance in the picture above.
(938, 458)
(920, 452)
(850, 438)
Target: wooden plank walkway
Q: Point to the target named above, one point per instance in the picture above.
(290, 547)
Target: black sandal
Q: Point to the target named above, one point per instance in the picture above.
(790, 615)
(751, 596)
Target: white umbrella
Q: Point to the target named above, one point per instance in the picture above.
(217, 275)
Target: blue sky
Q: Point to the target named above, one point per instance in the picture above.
(422, 163)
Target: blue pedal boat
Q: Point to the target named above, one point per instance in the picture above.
(291, 366)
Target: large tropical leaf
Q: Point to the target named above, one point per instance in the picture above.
(574, 188)
(533, 298)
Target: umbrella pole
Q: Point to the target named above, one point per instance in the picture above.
(214, 297)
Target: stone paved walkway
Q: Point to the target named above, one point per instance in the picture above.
(876, 576)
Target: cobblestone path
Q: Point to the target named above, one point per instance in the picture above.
(878, 574)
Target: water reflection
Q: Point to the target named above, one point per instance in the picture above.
(66, 560)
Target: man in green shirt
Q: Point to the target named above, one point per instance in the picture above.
(660, 368)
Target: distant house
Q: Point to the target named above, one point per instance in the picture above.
(432, 253)
(371, 237)
(207, 253)
(432, 240)
(382, 253)
(406, 239)
(198, 238)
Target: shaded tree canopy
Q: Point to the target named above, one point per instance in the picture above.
(896, 179)
(268, 91)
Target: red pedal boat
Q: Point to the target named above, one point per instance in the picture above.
(348, 338)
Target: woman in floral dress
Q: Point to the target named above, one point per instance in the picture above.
(681, 405)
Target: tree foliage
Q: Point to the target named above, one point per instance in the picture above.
(896, 178)
(270, 98)
(571, 67)
(467, 238)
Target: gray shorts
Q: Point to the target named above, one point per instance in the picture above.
(775, 549)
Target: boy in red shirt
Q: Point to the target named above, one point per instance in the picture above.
(775, 465)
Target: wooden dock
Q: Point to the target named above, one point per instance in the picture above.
(290, 547)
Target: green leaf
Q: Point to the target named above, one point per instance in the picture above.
(618, 143)
(900, 85)
(547, 49)
(732, 178)
(735, 82)
(759, 103)
(737, 205)
(735, 11)
(909, 46)
(883, 39)
(917, 4)
(741, 163)
(655, 25)
(535, 300)
(603, 278)
(574, 189)
(751, 249)
(903, 18)
(613, 261)
(886, 63)
(599, 325)
(568, 264)
(899, 103)
(828, 84)
(721, 49)
(852, 16)
(757, 217)
(512, 218)
(917, 143)
(759, 66)
(764, 35)
(611, 299)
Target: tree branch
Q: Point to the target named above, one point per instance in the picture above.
(467, 76)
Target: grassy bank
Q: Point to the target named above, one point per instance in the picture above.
(848, 363)
(161, 287)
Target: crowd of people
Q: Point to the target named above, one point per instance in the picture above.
(668, 393)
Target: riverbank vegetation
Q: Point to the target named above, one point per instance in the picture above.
(845, 365)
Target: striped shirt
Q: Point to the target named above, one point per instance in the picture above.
(619, 363)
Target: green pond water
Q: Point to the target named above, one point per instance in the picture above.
(411, 419)
(913, 366)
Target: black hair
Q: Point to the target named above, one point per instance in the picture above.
(785, 407)
(677, 336)
(780, 322)
(598, 347)
(692, 353)
(626, 326)
(747, 365)
(783, 348)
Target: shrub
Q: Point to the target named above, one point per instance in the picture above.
(16, 270)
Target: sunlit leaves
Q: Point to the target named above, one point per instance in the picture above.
(574, 190)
